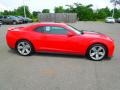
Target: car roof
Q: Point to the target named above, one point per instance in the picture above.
(45, 24)
(51, 23)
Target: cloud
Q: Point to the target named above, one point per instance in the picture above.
(3, 7)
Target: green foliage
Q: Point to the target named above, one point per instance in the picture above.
(45, 11)
(83, 12)
(103, 13)
(35, 14)
(59, 9)
(117, 13)
(18, 12)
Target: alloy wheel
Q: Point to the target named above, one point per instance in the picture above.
(97, 52)
(24, 48)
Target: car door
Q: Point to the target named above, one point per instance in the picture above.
(55, 38)
(9, 19)
(4, 19)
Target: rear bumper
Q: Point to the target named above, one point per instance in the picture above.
(10, 40)
(110, 21)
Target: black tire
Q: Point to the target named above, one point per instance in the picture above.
(28, 49)
(1, 23)
(97, 56)
(14, 22)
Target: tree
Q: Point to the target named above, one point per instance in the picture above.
(45, 11)
(59, 9)
(70, 9)
(117, 13)
(6, 12)
(103, 13)
(35, 14)
(20, 11)
(115, 3)
(83, 12)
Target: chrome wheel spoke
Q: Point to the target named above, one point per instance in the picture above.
(20, 47)
(92, 54)
(27, 50)
(94, 49)
(100, 49)
(101, 53)
(22, 43)
(27, 46)
(97, 56)
(23, 51)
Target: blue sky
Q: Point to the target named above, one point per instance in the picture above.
(38, 5)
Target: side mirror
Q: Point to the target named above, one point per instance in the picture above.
(70, 34)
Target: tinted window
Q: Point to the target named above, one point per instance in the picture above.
(40, 29)
(12, 17)
(5, 16)
(1, 17)
(55, 30)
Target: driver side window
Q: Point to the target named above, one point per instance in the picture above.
(55, 30)
(51, 30)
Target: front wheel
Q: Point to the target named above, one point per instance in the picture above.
(97, 52)
(24, 48)
(14, 22)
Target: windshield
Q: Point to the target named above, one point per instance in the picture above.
(74, 29)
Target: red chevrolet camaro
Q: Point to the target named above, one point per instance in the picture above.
(59, 38)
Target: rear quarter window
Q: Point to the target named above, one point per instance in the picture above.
(40, 29)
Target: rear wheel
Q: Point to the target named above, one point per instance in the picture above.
(14, 22)
(1, 23)
(97, 52)
(24, 48)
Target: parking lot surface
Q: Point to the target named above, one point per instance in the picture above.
(44, 71)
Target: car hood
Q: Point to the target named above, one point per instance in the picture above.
(92, 34)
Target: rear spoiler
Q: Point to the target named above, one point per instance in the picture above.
(14, 28)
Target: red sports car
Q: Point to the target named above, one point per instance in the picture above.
(59, 38)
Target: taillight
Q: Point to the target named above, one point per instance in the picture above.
(10, 28)
(14, 28)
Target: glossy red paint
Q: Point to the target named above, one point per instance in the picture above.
(72, 43)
